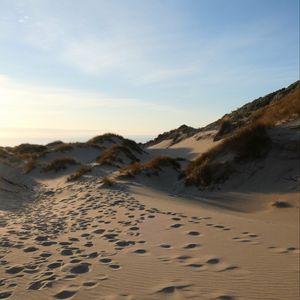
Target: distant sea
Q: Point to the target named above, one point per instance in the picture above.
(13, 137)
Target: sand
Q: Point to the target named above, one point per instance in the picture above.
(189, 148)
(86, 241)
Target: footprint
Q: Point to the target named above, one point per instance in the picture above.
(227, 268)
(90, 284)
(14, 270)
(66, 252)
(54, 265)
(213, 261)
(105, 260)
(6, 294)
(194, 265)
(194, 233)
(65, 294)
(36, 285)
(115, 266)
(134, 228)
(191, 246)
(178, 225)
(173, 289)
(140, 251)
(166, 246)
(124, 243)
(30, 249)
(225, 297)
(80, 268)
(99, 231)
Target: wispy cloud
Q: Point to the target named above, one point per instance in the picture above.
(27, 105)
(112, 44)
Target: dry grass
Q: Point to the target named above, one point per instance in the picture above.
(60, 164)
(132, 145)
(225, 128)
(281, 204)
(30, 165)
(63, 147)
(275, 108)
(282, 110)
(8, 157)
(151, 167)
(108, 181)
(29, 149)
(107, 137)
(161, 161)
(79, 173)
(3, 153)
(111, 155)
(251, 142)
(54, 144)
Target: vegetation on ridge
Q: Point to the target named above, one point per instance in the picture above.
(151, 167)
(112, 156)
(215, 165)
(79, 173)
(60, 164)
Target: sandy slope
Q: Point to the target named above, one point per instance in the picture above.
(15, 187)
(85, 241)
(189, 148)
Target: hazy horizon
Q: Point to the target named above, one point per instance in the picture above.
(10, 137)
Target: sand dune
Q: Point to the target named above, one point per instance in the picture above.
(189, 148)
(130, 227)
(84, 241)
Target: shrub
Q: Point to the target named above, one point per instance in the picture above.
(60, 164)
(108, 181)
(80, 172)
(251, 142)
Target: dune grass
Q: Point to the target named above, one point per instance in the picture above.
(107, 137)
(247, 143)
(64, 147)
(280, 111)
(151, 167)
(108, 181)
(60, 164)
(111, 156)
(30, 165)
(79, 173)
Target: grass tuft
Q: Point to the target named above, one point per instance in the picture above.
(111, 156)
(64, 147)
(151, 167)
(79, 173)
(108, 181)
(60, 164)
(107, 137)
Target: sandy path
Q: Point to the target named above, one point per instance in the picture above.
(83, 241)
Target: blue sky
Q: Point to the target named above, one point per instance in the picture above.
(140, 67)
